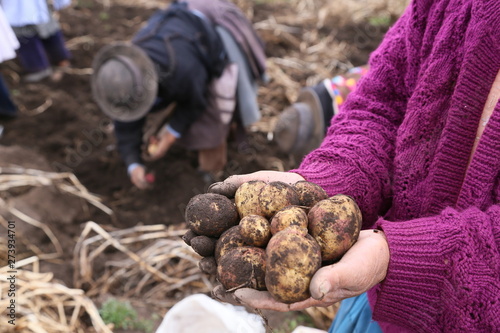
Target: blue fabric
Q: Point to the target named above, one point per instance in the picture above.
(25, 12)
(7, 107)
(354, 316)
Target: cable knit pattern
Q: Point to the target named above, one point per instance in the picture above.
(401, 145)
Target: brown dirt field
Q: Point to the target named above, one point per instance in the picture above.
(73, 135)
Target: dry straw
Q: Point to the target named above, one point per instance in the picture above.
(153, 264)
(43, 305)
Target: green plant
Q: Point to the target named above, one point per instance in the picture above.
(123, 315)
(381, 20)
(291, 323)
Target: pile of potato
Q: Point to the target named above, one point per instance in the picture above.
(273, 236)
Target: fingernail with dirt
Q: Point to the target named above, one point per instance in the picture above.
(323, 289)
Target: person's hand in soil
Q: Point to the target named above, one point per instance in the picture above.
(361, 268)
(159, 145)
(229, 186)
(138, 177)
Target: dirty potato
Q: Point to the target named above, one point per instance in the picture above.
(275, 196)
(309, 193)
(292, 258)
(188, 236)
(255, 230)
(210, 214)
(246, 198)
(335, 223)
(229, 239)
(242, 267)
(203, 245)
(208, 265)
(289, 216)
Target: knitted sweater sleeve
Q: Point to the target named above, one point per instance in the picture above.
(355, 158)
(444, 273)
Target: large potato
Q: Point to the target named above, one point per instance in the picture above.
(242, 267)
(335, 223)
(255, 230)
(210, 214)
(229, 239)
(246, 198)
(275, 196)
(292, 258)
(289, 216)
(309, 193)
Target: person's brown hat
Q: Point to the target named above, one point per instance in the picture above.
(301, 127)
(124, 81)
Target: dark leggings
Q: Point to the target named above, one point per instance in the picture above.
(36, 54)
(7, 107)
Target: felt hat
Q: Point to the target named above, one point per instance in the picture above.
(301, 127)
(124, 81)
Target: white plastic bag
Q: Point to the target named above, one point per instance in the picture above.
(200, 314)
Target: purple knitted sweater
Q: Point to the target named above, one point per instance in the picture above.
(401, 145)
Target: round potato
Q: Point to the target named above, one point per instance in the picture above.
(203, 245)
(335, 223)
(275, 196)
(242, 267)
(210, 214)
(246, 198)
(255, 230)
(188, 236)
(309, 193)
(289, 216)
(292, 258)
(229, 239)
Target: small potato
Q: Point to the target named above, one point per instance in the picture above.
(289, 216)
(309, 193)
(208, 265)
(335, 223)
(203, 245)
(242, 267)
(292, 258)
(210, 214)
(246, 198)
(255, 230)
(275, 196)
(229, 239)
(188, 236)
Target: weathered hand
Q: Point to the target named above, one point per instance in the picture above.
(361, 268)
(229, 186)
(138, 177)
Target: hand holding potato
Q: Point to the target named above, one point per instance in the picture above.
(361, 268)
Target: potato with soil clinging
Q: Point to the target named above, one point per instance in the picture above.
(208, 265)
(246, 198)
(275, 196)
(210, 214)
(229, 239)
(335, 223)
(242, 267)
(255, 230)
(292, 258)
(289, 216)
(203, 245)
(309, 193)
(188, 236)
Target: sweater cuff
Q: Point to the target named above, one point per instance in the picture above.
(420, 264)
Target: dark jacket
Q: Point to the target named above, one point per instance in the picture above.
(188, 54)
